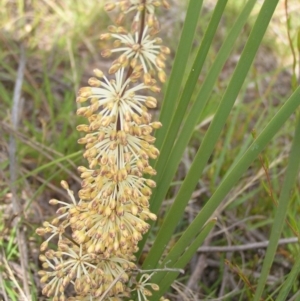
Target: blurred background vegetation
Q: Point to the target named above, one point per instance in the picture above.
(61, 46)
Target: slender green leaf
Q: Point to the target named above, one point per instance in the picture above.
(289, 282)
(241, 166)
(184, 255)
(212, 134)
(289, 181)
(165, 177)
(45, 166)
(180, 62)
(171, 132)
(227, 141)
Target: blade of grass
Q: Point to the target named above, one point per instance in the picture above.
(226, 145)
(169, 277)
(180, 62)
(165, 176)
(232, 178)
(2, 286)
(45, 166)
(281, 211)
(169, 134)
(212, 135)
(11, 248)
(290, 281)
(11, 292)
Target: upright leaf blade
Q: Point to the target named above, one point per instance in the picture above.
(281, 211)
(213, 133)
(184, 256)
(172, 131)
(167, 170)
(287, 285)
(234, 175)
(165, 176)
(185, 44)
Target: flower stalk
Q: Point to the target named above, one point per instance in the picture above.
(97, 235)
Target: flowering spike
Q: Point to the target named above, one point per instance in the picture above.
(109, 219)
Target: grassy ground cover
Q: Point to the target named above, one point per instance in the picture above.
(58, 44)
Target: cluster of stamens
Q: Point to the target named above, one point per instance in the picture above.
(97, 236)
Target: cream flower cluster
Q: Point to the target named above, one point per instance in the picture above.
(97, 236)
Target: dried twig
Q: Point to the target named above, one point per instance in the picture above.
(13, 279)
(110, 286)
(245, 247)
(16, 109)
(181, 271)
(200, 266)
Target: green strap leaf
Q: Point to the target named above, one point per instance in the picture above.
(290, 281)
(184, 255)
(166, 171)
(210, 138)
(180, 62)
(281, 211)
(237, 171)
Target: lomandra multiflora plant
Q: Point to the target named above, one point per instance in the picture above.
(96, 236)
